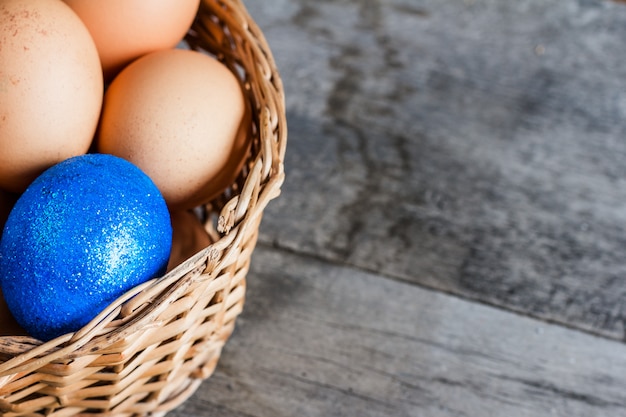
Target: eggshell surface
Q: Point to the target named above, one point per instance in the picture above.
(127, 29)
(181, 116)
(51, 87)
(87, 230)
(188, 237)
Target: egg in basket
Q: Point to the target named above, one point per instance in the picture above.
(141, 186)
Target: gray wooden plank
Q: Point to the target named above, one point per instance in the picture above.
(475, 147)
(318, 339)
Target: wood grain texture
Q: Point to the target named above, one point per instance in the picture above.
(317, 339)
(474, 147)
(449, 240)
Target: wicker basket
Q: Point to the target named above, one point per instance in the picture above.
(150, 350)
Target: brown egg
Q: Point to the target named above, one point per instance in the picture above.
(127, 29)
(51, 86)
(188, 237)
(181, 117)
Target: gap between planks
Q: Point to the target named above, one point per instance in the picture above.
(465, 297)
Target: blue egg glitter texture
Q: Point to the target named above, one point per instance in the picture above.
(84, 232)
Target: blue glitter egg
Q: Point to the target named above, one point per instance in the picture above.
(84, 232)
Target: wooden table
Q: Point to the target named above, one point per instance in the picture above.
(451, 237)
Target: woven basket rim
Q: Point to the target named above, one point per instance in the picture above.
(27, 353)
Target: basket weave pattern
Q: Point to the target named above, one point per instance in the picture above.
(150, 350)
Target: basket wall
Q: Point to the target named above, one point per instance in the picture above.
(150, 350)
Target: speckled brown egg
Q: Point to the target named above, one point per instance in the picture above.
(51, 87)
(180, 116)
